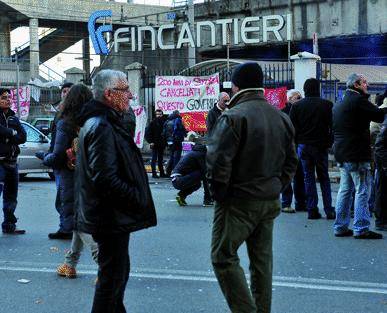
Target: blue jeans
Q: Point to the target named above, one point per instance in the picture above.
(9, 184)
(353, 176)
(314, 159)
(298, 190)
(191, 182)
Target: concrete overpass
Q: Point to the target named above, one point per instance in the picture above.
(68, 20)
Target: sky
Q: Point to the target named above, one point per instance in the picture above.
(66, 60)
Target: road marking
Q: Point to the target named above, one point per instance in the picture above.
(203, 276)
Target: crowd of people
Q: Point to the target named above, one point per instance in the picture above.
(252, 156)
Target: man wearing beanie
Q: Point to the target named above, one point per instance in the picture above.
(251, 157)
(312, 120)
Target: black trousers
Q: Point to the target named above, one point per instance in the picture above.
(191, 182)
(157, 157)
(381, 197)
(113, 273)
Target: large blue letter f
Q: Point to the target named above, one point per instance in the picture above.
(99, 43)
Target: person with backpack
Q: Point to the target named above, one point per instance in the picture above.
(174, 133)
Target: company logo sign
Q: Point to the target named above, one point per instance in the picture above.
(96, 34)
(234, 31)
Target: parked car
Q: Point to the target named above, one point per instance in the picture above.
(28, 162)
(43, 124)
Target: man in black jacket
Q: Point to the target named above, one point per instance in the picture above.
(381, 177)
(154, 136)
(12, 134)
(216, 111)
(312, 120)
(352, 149)
(113, 197)
(251, 157)
(189, 173)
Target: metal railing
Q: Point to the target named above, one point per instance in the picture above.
(49, 74)
(27, 43)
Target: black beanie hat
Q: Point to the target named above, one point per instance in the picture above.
(247, 75)
(312, 87)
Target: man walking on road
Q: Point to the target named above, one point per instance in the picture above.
(312, 120)
(12, 134)
(251, 157)
(113, 197)
(154, 136)
(352, 148)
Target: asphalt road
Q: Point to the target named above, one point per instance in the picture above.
(314, 272)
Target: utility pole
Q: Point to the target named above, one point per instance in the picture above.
(191, 21)
(17, 82)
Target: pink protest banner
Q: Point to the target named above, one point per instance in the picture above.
(24, 100)
(186, 94)
(276, 97)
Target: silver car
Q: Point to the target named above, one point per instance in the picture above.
(28, 162)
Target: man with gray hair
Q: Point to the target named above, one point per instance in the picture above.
(216, 111)
(352, 149)
(113, 197)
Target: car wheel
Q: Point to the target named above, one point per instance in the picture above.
(22, 176)
(52, 176)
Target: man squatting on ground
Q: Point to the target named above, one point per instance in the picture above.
(190, 172)
(246, 177)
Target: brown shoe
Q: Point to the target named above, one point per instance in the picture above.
(65, 270)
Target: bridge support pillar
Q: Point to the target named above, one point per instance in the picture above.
(5, 39)
(34, 48)
(305, 66)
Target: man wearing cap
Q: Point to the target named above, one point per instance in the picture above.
(251, 157)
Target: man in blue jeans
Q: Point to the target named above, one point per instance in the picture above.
(352, 148)
(312, 120)
(12, 134)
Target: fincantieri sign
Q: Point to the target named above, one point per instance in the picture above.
(249, 30)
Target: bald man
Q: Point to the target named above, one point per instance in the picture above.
(216, 111)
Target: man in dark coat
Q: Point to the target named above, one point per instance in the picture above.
(381, 177)
(154, 136)
(112, 197)
(312, 120)
(352, 149)
(190, 172)
(251, 157)
(216, 111)
(174, 133)
(298, 188)
(12, 134)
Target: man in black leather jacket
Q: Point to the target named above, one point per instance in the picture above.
(251, 157)
(113, 197)
(12, 134)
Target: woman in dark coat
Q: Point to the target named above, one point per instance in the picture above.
(66, 131)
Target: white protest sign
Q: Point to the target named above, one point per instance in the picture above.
(141, 120)
(24, 100)
(187, 94)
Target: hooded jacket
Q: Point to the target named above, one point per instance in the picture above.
(12, 134)
(113, 194)
(351, 126)
(194, 160)
(251, 153)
